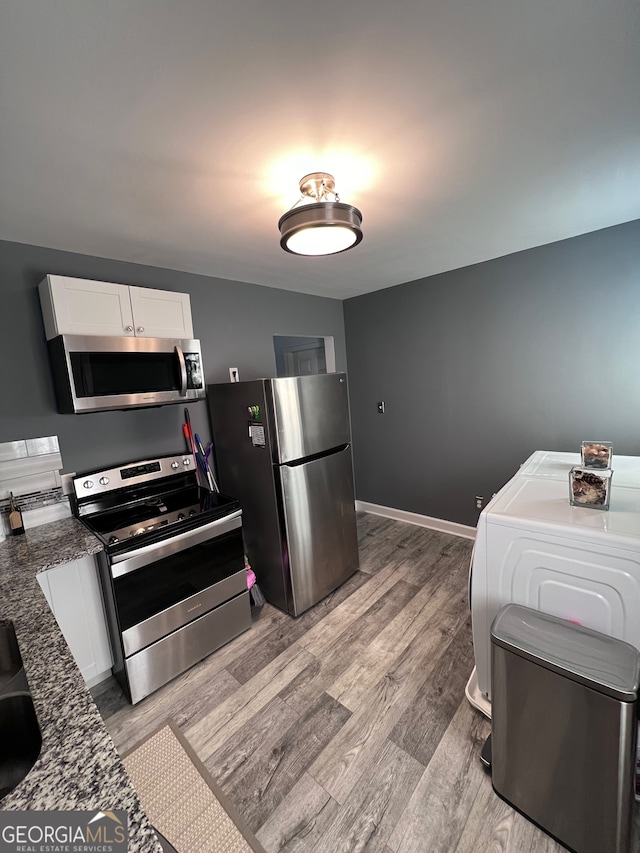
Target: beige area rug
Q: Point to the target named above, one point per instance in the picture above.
(181, 798)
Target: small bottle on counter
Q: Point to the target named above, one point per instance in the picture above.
(15, 517)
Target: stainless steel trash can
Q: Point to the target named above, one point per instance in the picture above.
(564, 720)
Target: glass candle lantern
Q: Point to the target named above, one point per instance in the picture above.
(596, 454)
(589, 487)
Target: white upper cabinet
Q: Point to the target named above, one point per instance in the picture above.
(78, 306)
(161, 313)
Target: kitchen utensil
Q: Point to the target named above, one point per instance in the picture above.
(188, 433)
(207, 468)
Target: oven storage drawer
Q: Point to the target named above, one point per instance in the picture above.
(152, 667)
(155, 627)
(171, 591)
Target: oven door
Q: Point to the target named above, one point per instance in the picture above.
(162, 587)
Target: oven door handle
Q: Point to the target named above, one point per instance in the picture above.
(183, 371)
(122, 564)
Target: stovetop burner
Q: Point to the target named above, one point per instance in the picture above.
(146, 501)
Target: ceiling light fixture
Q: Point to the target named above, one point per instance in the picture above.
(323, 227)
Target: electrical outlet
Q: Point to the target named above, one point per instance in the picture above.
(233, 374)
(479, 501)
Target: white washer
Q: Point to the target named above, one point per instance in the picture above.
(533, 548)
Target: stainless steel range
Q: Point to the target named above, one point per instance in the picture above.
(172, 569)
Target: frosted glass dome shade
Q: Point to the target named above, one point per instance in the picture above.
(321, 228)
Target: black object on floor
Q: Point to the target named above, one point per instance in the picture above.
(257, 598)
(485, 755)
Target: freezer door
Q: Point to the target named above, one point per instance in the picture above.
(310, 413)
(320, 521)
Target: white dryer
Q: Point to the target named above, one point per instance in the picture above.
(533, 548)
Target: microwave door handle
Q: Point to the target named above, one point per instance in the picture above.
(183, 371)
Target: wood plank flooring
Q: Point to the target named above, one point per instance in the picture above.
(347, 729)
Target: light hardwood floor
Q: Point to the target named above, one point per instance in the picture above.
(347, 729)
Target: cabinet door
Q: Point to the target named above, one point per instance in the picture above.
(73, 593)
(78, 306)
(161, 313)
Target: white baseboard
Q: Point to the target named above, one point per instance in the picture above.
(421, 520)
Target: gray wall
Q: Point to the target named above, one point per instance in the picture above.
(481, 366)
(478, 367)
(235, 322)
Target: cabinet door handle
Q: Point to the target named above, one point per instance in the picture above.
(140, 329)
(128, 328)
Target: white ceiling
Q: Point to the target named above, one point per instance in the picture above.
(174, 132)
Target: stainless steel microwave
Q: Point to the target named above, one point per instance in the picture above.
(95, 373)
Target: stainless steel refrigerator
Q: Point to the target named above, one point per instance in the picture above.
(283, 448)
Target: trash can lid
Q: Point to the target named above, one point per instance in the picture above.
(596, 660)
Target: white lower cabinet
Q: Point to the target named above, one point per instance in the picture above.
(74, 595)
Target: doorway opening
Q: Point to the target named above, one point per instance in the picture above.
(299, 355)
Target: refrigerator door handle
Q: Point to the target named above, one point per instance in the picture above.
(306, 459)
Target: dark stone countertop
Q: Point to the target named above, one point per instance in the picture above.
(78, 767)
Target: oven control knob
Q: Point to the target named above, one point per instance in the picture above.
(192, 512)
(113, 540)
(104, 481)
(175, 464)
(186, 462)
(88, 484)
(180, 516)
